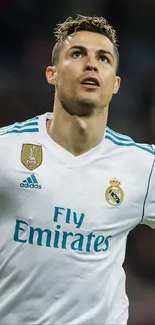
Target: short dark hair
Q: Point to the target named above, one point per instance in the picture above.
(93, 24)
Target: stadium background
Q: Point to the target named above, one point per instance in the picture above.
(26, 29)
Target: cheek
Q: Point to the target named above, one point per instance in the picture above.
(63, 76)
(65, 84)
(108, 88)
(109, 83)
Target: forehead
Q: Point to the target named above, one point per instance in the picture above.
(90, 40)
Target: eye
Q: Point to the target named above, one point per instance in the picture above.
(104, 58)
(77, 54)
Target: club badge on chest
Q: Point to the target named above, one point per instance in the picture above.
(114, 194)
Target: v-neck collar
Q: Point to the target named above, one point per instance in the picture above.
(71, 160)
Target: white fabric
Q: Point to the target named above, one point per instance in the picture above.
(62, 243)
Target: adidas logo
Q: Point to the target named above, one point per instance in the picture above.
(31, 182)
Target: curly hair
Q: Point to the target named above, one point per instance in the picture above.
(86, 23)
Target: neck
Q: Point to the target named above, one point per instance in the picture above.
(77, 134)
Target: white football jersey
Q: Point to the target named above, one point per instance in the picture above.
(64, 222)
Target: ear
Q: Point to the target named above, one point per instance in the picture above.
(117, 85)
(51, 75)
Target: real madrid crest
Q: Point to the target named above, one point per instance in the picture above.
(31, 155)
(114, 193)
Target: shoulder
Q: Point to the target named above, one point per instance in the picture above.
(137, 158)
(128, 144)
(12, 136)
(19, 128)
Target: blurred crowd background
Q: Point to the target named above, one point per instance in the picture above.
(26, 29)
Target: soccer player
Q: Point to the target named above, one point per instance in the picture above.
(71, 190)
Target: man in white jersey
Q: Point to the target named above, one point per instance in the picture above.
(71, 190)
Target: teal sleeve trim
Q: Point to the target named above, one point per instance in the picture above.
(130, 144)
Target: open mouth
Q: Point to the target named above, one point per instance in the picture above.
(90, 82)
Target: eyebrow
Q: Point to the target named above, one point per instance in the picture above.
(82, 48)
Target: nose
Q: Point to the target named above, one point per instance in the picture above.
(91, 65)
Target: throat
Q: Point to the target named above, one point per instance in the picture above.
(77, 137)
(77, 148)
(76, 143)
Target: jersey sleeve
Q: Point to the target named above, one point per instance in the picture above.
(149, 202)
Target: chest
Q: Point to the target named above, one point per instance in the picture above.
(98, 195)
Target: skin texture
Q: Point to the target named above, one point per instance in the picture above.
(81, 111)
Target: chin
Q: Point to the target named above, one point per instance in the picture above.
(84, 106)
(82, 109)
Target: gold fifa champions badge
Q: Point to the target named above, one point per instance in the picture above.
(114, 194)
(31, 156)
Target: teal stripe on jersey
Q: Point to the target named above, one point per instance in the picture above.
(118, 136)
(132, 143)
(34, 178)
(13, 128)
(20, 131)
(17, 126)
(34, 119)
